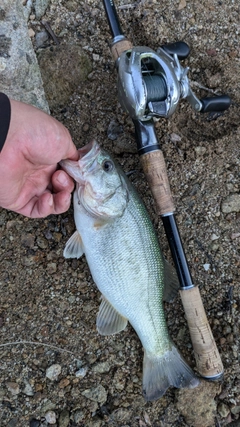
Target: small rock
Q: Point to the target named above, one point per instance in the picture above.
(235, 409)
(198, 405)
(47, 406)
(42, 243)
(31, 33)
(64, 383)
(96, 57)
(200, 150)
(41, 38)
(182, 4)
(97, 394)
(35, 423)
(52, 267)
(53, 372)
(215, 80)
(78, 416)
(64, 418)
(85, 127)
(114, 130)
(13, 422)
(206, 267)
(28, 390)
(223, 410)
(214, 237)
(82, 372)
(2, 393)
(231, 204)
(41, 7)
(121, 415)
(102, 367)
(174, 137)
(28, 240)
(50, 417)
(13, 388)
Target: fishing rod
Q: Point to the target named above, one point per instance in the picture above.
(150, 85)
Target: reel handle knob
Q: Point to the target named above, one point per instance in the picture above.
(181, 49)
(215, 104)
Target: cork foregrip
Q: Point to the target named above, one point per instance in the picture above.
(207, 357)
(119, 47)
(155, 169)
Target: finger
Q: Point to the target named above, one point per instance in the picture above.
(47, 204)
(62, 181)
(72, 153)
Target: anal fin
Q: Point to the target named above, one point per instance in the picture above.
(74, 246)
(109, 321)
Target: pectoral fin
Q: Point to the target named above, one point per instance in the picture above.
(74, 247)
(171, 282)
(109, 321)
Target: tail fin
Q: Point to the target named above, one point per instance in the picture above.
(161, 372)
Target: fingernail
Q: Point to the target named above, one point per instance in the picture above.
(62, 179)
(68, 199)
(50, 200)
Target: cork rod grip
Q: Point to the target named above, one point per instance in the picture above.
(119, 47)
(207, 357)
(155, 170)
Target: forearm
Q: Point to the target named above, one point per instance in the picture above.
(5, 116)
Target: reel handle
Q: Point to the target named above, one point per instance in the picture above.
(215, 104)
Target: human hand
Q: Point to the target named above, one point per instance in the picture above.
(31, 184)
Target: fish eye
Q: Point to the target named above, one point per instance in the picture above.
(107, 166)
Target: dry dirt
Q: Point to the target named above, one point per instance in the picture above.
(50, 303)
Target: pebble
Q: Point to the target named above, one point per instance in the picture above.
(223, 410)
(182, 4)
(96, 394)
(64, 418)
(64, 383)
(200, 150)
(53, 372)
(235, 409)
(50, 417)
(31, 33)
(41, 38)
(28, 390)
(120, 415)
(231, 204)
(82, 372)
(174, 137)
(13, 388)
(198, 405)
(40, 7)
(78, 416)
(13, 422)
(101, 367)
(214, 237)
(35, 423)
(114, 130)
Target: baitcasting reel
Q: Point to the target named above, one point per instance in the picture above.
(150, 84)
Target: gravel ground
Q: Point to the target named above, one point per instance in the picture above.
(63, 373)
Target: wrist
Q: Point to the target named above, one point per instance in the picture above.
(5, 116)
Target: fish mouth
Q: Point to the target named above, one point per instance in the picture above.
(86, 162)
(87, 156)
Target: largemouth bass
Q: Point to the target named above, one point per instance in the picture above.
(122, 250)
